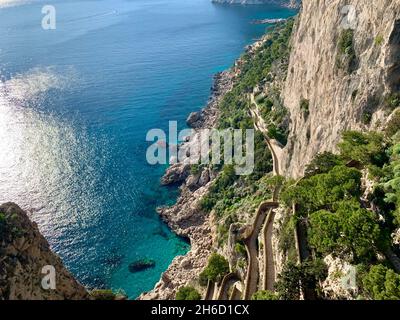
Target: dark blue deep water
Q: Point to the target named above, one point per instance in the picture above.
(76, 104)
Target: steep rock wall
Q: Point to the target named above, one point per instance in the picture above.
(337, 98)
(23, 254)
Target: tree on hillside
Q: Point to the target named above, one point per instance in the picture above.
(322, 163)
(216, 269)
(265, 295)
(188, 293)
(381, 283)
(350, 230)
(367, 148)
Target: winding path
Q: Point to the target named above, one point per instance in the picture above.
(274, 146)
(251, 243)
(210, 291)
(265, 213)
(269, 266)
(228, 281)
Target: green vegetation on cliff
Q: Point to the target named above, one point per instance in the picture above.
(331, 201)
(187, 293)
(216, 269)
(256, 69)
(232, 195)
(381, 283)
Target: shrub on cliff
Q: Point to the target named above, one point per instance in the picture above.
(216, 269)
(392, 101)
(346, 58)
(367, 148)
(393, 125)
(350, 230)
(381, 283)
(265, 295)
(240, 249)
(187, 293)
(297, 277)
(322, 163)
(323, 191)
(305, 107)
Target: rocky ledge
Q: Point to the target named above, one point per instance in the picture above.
(23, 254)
(186, 218)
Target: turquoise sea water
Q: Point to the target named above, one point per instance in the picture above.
(76, 104)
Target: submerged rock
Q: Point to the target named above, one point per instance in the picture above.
(141, 265)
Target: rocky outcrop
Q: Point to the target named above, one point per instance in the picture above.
(24, 252)
(176, 173)
(188, 220)
(342, 98)
(340, 284)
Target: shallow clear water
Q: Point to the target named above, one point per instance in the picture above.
(75, 106)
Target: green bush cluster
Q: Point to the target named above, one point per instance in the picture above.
(350, 230)
(265, 295)
(9, 227)
(305, 107)
(393, 125)
(322, 163)
(328, 201)
(296, 277)
(324, 191)
(329, 198)
(240, 248)
(347, 56)
(379, 40)
(367, 148)
(392, 101)
(187, 293)
(390, 181)
(381, 283)
(216, 269)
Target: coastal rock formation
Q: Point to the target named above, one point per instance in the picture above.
(344, 98)
(189, 221)
(338, 77)
(186, 218)
(176, 173)
(24, 252)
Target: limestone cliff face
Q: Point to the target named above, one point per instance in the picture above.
(23, 254)
(336, 98)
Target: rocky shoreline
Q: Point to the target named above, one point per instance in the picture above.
(186, 218)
